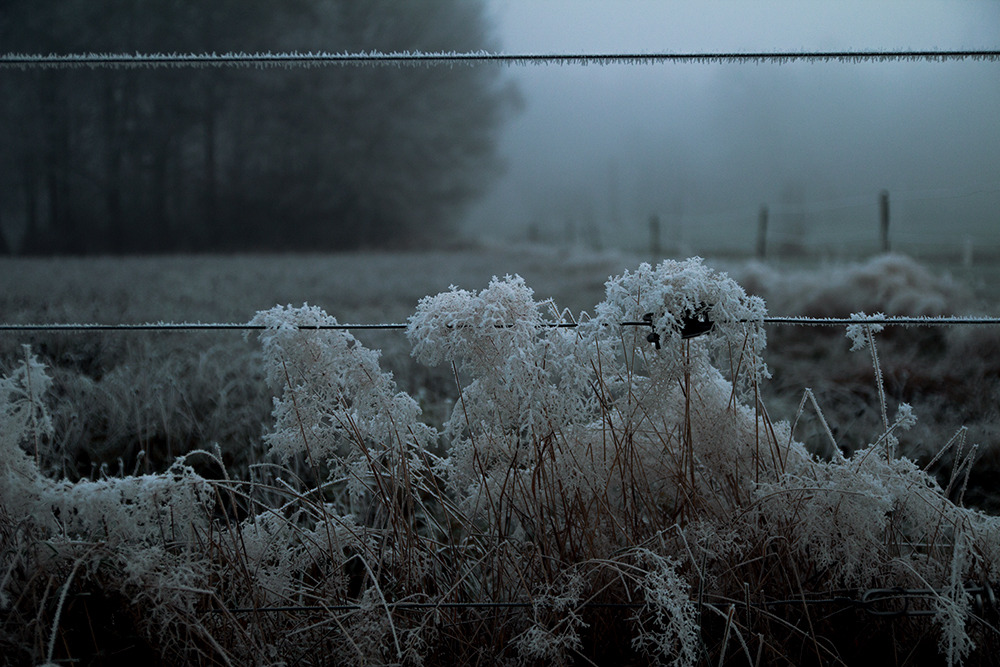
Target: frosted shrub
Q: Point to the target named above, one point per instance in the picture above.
(334, 404)
(874, 517)
(672, 295)
(25, 422)
(674, 392)
(370, 456)
(124, 511)
(134, 535)
(570, 445)
(850, 518)
(528, 379)
(330, 383)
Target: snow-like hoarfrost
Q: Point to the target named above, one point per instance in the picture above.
(627, 460)
(334, 404)
(607, 413)
(675, 292)
(144, 530)
(554, 634)
(674, 636)
(128, 511)
(539, 391)
(860, 334)
(527, 383)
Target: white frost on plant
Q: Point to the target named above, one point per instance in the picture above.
(860, 333)
(530, 381)
(566, 449)
(578, 407)
(446, 326)
(333, 403)
(675, 291)
(26, 422)
(122, 510)
(279, 548)
(554, 633)
(952, 607)
(145, 529)
(669, 632)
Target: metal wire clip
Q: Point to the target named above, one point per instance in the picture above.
(693, 324)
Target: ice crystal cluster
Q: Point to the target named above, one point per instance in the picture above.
(605, 487)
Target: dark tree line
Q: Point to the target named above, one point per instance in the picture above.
(154, 160)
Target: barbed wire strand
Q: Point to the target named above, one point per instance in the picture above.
(211, 326)
(418, 58)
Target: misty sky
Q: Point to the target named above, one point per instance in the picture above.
(703, 146)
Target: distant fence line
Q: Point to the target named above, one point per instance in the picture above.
(216, 326)
(418, 58)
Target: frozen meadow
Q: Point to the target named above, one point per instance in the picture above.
(487, 486)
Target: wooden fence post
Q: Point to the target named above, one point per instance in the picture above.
(762, 232)
(654, 236)
(534, 235)
(883, 212)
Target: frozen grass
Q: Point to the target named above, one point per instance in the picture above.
(609, 501)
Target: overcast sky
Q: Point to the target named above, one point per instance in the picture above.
(705, 145)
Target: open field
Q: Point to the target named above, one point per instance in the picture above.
(563, 473)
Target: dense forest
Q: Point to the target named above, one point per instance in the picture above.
(226, 159)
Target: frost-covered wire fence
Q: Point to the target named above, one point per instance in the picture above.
(389, 326)
(874, 601)
(417, 58)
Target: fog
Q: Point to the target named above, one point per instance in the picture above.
(597, 150)
(331, 158)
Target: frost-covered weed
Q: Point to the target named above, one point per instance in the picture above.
(596, 410)
(673, 636)
(125, 511)
(331, 389)
(335, 406)
(554, 633)
(25, 418)
(139, 535)
(580, 469)
(527, 384)
(852, 517)
(952, 606)
(948, 373)
(675, 291)
(577, 443)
